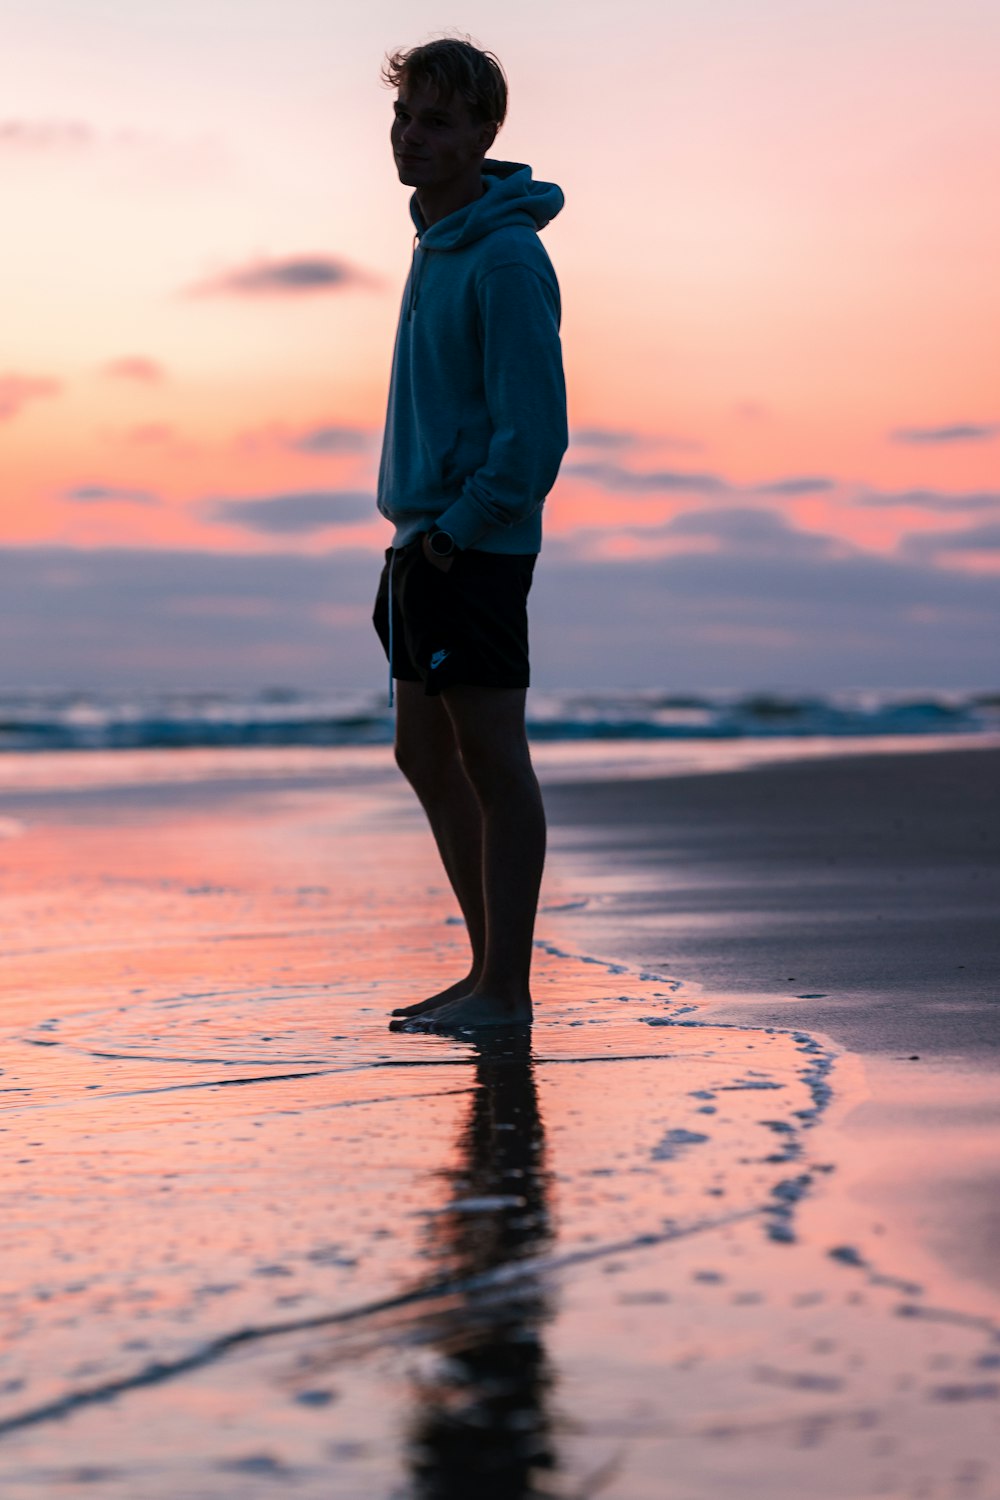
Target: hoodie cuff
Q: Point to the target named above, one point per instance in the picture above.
(464, 521)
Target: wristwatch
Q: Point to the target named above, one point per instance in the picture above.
(441, 543)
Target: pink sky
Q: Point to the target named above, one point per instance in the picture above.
(778, 262)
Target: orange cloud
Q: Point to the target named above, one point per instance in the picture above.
(17, 390)
(135, 367)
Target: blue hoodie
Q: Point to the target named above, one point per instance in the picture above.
(476, 424)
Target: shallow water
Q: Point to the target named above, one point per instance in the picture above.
(254, 1241)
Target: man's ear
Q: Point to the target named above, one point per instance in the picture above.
(488, 135)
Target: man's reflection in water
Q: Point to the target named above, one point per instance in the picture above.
(481, 1430)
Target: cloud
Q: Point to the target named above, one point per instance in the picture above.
(295, 276)
(613, 477)
(931, 499)
(751, 411)
(61, 140)
(135, 367)
(747, 532)
(332, 439)
(718, 620)
(293, 514)
(958, 432)
(797, 484)
(142, 617)
(329, 437)
(603, 437)
(89, 493)
(617, 439)
(17, 390)
(937, 544)
(120, 617)
(44, 135)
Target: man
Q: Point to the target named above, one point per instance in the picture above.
(475, 432)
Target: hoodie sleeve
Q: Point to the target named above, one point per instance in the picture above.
(526, 399)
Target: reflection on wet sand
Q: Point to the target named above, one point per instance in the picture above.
(481, 1425)
(255, 1243)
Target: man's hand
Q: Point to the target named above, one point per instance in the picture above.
(443, 563)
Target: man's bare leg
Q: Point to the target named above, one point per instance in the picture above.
(427, 754)
(489, 731)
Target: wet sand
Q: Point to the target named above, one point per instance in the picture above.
(855, 896)
(256, 1244)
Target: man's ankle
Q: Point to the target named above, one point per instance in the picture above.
(510, 997)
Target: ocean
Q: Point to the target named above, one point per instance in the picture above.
(72, 720)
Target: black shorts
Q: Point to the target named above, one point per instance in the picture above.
(468, 625)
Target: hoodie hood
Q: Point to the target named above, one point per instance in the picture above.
(510, 197)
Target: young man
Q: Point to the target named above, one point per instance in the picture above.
(475, 433)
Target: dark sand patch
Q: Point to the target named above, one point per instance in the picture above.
(858, 897)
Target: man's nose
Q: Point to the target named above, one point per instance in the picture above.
(410, 133)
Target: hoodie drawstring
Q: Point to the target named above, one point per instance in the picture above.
(392, 695)
(416, 267)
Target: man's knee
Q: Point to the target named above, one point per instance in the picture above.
(412, 758)
(498, 769)
(427, 764)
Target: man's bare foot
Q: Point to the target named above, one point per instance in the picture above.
(453, 992)
(468, 1012)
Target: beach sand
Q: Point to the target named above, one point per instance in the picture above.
(704, 1236)
(856, 897)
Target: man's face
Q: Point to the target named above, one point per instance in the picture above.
(435, 142)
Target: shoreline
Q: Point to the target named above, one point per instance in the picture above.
(872, 876)
(76, 772)
(854, 898)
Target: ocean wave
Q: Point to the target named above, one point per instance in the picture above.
(75, 721)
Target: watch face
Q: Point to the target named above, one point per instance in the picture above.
(442, 545)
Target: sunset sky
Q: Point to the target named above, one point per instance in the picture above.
(779, 265)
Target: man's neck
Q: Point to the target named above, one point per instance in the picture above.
(435, 204)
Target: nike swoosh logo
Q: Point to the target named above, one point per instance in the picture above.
(438, 658)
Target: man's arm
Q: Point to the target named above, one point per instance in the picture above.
(526, 397)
